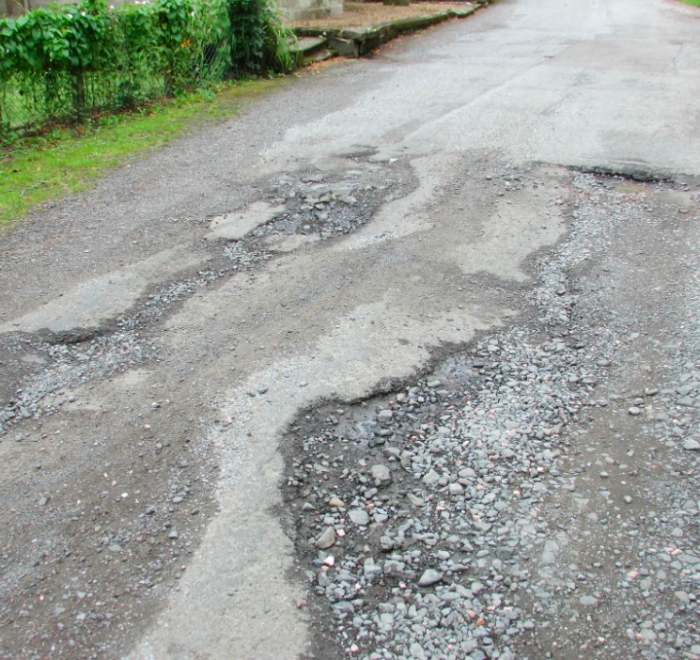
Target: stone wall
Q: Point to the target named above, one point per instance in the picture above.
(309, 9)
(11, 7)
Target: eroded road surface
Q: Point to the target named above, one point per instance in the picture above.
(403, 363)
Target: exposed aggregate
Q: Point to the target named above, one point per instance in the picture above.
(509, 502)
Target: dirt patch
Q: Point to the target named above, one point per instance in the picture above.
(370, 13)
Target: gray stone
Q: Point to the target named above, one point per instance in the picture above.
(359, 516)
(381, 474)
(415, 501)
(430, 576)
(327, 539)
(417, 652)
(456, 489)
(344, 606)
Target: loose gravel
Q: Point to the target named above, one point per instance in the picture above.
(103, 516)
(316, 205)
(533, 495)
(537, 494)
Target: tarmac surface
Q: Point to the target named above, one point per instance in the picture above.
(401, 363)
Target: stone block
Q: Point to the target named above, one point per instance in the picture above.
(344, 47)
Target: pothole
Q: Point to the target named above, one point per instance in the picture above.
(318, 205)
(445, 520)
(333, 204)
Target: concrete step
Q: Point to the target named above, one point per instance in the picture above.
(322, 55)
(307, 46)
(355, 42)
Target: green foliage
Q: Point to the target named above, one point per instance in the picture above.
(61, 162)
(66, 61)
(57, 39)
(259, 39)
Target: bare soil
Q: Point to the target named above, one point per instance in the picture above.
(358, 14)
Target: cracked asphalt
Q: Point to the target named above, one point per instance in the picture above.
(401, 363)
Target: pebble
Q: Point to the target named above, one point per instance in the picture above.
(327, 539)
(381, 475)
(430, 576)
(359, 516)
(417, 652)
(456, 489)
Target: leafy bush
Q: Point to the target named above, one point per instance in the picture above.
(259, 39)
(65, 61)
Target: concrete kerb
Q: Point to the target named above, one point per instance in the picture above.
(355, 42)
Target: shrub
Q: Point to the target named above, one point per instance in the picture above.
(259, 39)
(65, 61)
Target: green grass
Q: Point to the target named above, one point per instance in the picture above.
(42, 169)
(695, 3)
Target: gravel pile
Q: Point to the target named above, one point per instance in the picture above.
(328, 205)
(423, 516)
(508, 502)
(70, 366)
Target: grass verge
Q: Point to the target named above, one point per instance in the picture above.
(694, 3)
(45, 168)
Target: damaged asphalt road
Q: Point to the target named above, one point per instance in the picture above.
(403, 363)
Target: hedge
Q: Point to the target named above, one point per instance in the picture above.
(63, 62)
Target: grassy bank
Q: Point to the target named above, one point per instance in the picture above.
(45, 168)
